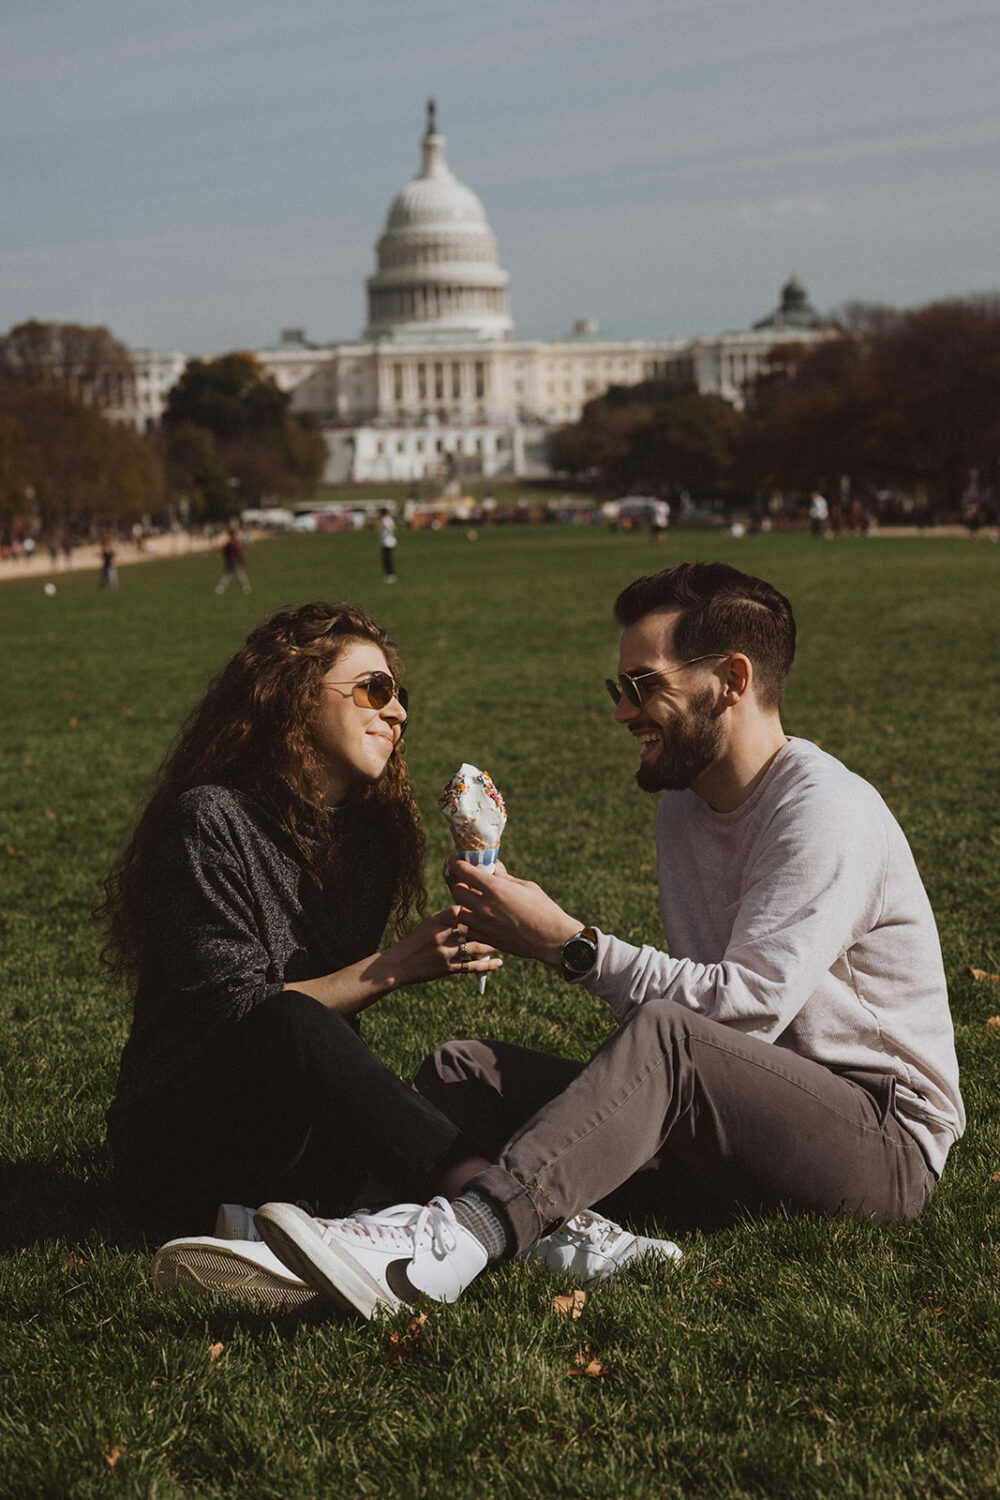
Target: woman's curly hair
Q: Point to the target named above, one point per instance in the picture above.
(253, 731)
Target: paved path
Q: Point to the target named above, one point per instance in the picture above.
(87, 558)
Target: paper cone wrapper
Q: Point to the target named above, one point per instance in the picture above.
(485, 859)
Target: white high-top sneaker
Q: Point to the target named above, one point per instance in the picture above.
(243, 1268)
(591, 1248)
(368, 1261)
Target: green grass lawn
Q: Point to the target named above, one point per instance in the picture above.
(782, 1358)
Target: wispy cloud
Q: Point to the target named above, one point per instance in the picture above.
(782, 214)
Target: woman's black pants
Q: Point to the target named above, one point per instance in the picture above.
(294, 1106)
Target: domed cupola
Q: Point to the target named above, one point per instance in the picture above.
(437, 273)
(794, 311)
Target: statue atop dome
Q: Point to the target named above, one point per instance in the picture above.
(431, 118)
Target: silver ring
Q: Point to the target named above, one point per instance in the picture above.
(463, 952)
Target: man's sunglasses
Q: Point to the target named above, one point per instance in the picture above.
(375, 691)
(627, 686)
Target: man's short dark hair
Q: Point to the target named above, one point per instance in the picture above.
(722, 609)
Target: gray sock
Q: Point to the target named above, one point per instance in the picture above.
(479, 1217)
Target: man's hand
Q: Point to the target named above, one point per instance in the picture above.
(513, 915)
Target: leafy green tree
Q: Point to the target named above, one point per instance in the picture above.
(652, 438)
(196, 470)
(247, 447)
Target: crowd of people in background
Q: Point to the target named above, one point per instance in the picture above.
(80, 542)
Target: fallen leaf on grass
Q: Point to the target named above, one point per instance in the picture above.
(74, 722)
(400, 1346)
(72, 1261)
(932, 1312)
(570, 1306)
(50, 815)
(993, 1020)
(995, 1177)
(586, 1362)
(214, 1350)
(983, 974)
(112, 1458)
(15, 853)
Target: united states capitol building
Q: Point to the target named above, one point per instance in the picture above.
(438, 387)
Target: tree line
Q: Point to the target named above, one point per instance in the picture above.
(71, 463)
(899, 414)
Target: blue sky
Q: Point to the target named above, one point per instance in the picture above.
(199, 174)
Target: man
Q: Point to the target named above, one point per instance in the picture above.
(793, 1048)
(819, 513)
(387, 544)
(234, 562)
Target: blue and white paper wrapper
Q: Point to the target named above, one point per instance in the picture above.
(486, 859)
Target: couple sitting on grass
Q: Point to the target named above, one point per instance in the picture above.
(790, 1049)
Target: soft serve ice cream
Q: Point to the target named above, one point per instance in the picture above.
(476, 815)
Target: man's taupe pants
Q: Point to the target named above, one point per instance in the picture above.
(687, 1117)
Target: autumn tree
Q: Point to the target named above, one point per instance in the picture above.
(61, 458)
(230, 440)
(905, 400)
(87, 364)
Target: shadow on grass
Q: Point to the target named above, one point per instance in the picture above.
(66, 1197)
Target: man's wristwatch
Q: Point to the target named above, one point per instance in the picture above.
(579, 954)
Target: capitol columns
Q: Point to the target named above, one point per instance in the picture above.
(383, 385)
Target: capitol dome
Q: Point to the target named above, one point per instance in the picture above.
(437, 273)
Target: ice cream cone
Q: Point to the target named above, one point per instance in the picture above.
(476, 815)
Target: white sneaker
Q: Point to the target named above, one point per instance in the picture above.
(378, 1260)
(244, 1268)
(591, 1248)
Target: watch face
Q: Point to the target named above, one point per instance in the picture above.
(578, 955)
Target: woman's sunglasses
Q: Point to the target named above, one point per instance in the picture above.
(375, 691)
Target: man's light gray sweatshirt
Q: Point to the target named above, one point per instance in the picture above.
(801, 919)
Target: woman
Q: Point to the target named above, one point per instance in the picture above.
(280, 839)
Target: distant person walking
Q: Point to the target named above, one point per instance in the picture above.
(387, 541)
(233, 563)
(109, 573)
(660, 519)
(819, 513)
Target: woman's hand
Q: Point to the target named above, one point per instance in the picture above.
(514, 915)
(440, 946)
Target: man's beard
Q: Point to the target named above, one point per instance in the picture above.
(689, 745)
